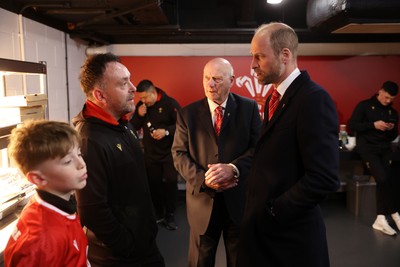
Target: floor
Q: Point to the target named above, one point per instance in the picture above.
(352, 241)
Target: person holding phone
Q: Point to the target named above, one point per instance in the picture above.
(375, 123)
(155, 113)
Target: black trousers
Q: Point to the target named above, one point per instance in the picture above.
(379, 163)
(220, 222)
(163, 178)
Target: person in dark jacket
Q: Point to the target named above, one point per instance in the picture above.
(115, 207)
(375, 123)
(155, 114)
(296, 160)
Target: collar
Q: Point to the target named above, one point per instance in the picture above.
(379, 104)
(283, 86)
(93, 110)
(59, 203)
(159, 95)
(214, 105)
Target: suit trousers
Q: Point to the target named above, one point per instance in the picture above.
(203, 248)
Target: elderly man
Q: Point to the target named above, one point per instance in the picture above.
(212, 150)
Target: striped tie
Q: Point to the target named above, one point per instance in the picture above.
(218, 120)
(273, 103)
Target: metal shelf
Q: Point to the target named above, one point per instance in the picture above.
(10, 65)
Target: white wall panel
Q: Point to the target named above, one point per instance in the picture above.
(42, 43)
(9, 40)
(75, 57)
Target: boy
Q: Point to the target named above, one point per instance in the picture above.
(48, 232)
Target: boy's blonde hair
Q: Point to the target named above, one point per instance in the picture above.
(36, 141)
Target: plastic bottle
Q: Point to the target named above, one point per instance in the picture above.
(343, 136)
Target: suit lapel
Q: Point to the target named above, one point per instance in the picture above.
(204, 117)
(230, 111)
(284, 103)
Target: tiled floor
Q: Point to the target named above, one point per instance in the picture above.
(352, 241)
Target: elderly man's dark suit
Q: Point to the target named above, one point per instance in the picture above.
(295, 166)
(196, 145)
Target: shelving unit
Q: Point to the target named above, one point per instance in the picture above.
(21, 105)
(18, 104)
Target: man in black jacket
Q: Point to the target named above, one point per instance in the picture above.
(375, 123)
(115, 207)
(155, 113)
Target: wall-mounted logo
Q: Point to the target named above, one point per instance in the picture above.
(257, 91)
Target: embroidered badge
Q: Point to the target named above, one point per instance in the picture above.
(119, 146)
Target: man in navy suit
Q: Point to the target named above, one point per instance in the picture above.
(295, 163)
(215, 165)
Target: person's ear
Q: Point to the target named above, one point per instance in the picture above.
(99, 95)
(232, 80)
(36, 177)
(286, 55)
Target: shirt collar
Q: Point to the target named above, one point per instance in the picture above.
(214, 105)
(286, 83)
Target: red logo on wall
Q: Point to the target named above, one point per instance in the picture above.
(257, 91)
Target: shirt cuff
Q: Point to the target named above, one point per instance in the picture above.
(235, 170)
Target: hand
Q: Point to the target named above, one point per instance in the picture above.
(158, 134)
(142, 110)
(383, 126)
(220, 177)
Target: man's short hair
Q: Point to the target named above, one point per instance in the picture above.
(93, 69)
(36, 141)
(391, 87)
(144, 85)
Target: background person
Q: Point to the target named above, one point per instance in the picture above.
(215, 166)
(295, 163)
(375, 123)
(48, 232)
(156, 115)
(115, 206)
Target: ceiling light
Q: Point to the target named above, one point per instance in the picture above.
(274, 2)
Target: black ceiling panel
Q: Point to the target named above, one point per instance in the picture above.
(105, 22)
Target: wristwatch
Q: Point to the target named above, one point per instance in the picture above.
(166, 132)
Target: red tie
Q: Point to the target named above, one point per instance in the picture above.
(273, 103)
(218, 120)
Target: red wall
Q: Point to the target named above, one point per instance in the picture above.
(347, 79)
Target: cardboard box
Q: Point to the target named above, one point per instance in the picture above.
(23, 100)
(21, 114)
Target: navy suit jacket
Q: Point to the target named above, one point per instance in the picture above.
(295, 166)
(196, 145)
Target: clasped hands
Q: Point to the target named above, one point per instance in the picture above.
(158, 134)
(220, 177)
